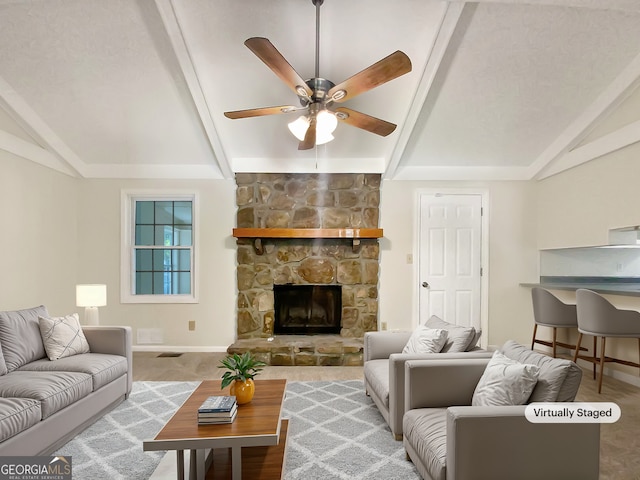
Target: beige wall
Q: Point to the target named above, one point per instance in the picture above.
(512, 255)
(80, 221)
(99, 240)
(579, 206)
(39, 238)
(65, 231)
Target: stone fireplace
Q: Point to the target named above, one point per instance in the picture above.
(324, 205)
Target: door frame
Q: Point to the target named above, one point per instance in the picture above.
(484, 251)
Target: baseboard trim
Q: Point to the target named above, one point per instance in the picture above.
(179, 348)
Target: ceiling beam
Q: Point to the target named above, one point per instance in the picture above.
(185, 61)
(29, 151)
(36, 128)
(447, 26)
(623, 137)
(550, 160)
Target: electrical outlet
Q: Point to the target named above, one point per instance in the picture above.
(383, 325)
(192, 325)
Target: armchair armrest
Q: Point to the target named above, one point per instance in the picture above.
(500, 443)
(397, 389)
(439, 383)
(112, 340)
(382, 344)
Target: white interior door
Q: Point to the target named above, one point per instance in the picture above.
(450, 258)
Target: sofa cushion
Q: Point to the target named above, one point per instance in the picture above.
(377, 374)
(426, 340)
(3, 365)
(505, 382)
(54, 390)
(425, 429)
(558, 379)
(16, 415)
(20, 336)
(103, 368)
(62, 336)
(459, 338)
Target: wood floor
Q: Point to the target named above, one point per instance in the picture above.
(619, 442)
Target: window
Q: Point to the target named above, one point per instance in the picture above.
(160, 248)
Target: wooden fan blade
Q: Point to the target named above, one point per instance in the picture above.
(387, 69)
(364, 121)
(273, 59)
(310, 137)
(259, 112)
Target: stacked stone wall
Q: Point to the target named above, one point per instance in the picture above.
(307, 201)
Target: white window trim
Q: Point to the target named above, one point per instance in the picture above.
(126, 247)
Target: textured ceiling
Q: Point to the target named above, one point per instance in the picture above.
(504, 89)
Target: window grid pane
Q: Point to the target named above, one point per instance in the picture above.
(167, 226)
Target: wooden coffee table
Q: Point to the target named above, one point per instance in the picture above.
(258, 425)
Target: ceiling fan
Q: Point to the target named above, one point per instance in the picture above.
(317, 94)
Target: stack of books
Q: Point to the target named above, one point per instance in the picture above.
(218, 409)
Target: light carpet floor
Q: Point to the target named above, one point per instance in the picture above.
(335, 432)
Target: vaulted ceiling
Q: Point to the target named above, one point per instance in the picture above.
(499, 89)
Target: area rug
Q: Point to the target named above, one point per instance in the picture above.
(335, 432)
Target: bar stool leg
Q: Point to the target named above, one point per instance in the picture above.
(602, 343)
(533, 340)
(595, 355)
(575, 354)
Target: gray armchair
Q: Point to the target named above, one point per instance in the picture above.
(384, 372)
(447, 439)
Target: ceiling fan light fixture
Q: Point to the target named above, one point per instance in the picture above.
(299, 127)
(323, 137)
(327, 122)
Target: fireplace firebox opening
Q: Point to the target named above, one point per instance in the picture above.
(307, 309)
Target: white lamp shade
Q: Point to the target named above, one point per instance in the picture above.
(91, 295)
(326, 123)
(299, 127)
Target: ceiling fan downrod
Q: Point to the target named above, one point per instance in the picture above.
(317, 4)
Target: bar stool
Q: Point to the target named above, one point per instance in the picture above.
(549, 311)
(598, 317)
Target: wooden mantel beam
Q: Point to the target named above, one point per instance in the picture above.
(353, 234)
(307, 232)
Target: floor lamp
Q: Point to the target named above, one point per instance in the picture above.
(91, 297)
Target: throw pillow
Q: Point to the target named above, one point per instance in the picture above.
(558, 379)
(62, 336)
(459, 338)
(426, 340)
(505, 382)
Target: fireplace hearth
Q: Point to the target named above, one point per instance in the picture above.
(307, 309)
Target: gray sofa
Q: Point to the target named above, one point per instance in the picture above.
(45, 403)
(448, 439)
(384, 368)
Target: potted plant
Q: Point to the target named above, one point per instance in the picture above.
(240, 372)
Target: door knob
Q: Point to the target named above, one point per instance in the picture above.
(425, 284)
